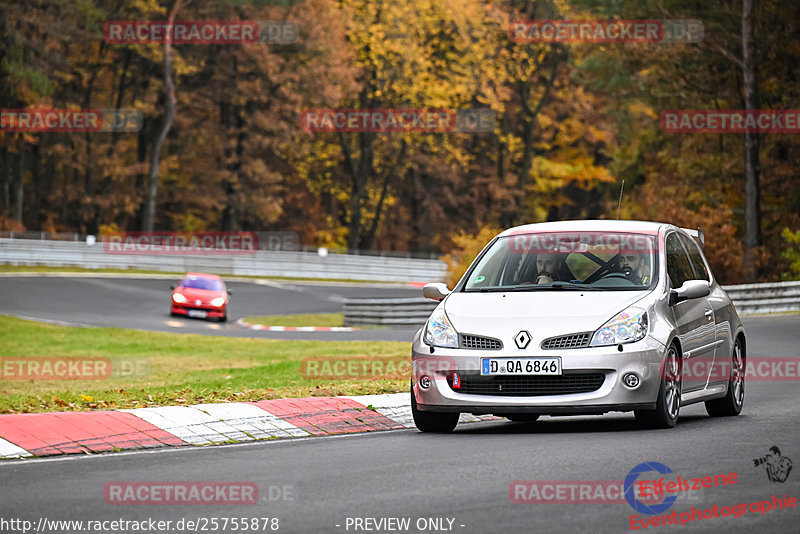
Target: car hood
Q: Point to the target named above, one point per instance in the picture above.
(199, 294)
(543, 314)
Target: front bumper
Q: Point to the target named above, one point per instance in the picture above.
(211, 311)
(643, 358)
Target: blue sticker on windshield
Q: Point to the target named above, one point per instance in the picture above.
(479, 280)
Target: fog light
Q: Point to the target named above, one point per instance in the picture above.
(425, 382)
(631, 380)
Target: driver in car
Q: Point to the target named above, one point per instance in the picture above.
(548, 267)
(635, 268)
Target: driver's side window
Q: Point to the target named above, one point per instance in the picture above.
(697, 259)
(679, 269)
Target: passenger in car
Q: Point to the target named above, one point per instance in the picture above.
(550, 268)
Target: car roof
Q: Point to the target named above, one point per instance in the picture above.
(597, 225)
(202, 275)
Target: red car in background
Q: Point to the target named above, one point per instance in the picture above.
(200, 295)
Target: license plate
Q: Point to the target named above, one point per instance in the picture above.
(198, 313)
(520, 366)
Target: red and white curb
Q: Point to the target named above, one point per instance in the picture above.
(48, 434)
(252, 326)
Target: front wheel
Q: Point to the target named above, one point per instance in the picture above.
(439, 422)
(732, 402)
(669, 395)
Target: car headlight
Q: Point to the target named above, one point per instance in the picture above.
(179, 298)
(626, 327)
(438, 330)
(219, 301)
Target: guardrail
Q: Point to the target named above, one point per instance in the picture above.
(387, 312)
(267, 240)
(261, 263)
(765, 298)
(748, 299)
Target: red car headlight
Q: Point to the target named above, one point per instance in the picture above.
(179, 298)
(219, 301)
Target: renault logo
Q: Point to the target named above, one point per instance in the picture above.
(522, 339)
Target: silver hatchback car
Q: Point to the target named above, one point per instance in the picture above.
(580, 317)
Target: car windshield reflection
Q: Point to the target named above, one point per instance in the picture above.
(202, 283)
(564, 261)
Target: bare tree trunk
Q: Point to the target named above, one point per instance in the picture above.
(105, 186)
(37, 192)
(358, 181)
(169, 93)
(19, 191)
(752, 169)
(530, 115)
(5, 155)
(369, 239)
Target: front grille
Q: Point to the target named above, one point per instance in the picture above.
(474, 383)
(572, 341)
(479, 342)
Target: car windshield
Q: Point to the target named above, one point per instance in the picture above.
(562, 261)
(194, 282)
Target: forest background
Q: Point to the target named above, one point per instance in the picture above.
(573, 121)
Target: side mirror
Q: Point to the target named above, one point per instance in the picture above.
(691, 289)
(435, 291)
(172, 287)
(229, 293)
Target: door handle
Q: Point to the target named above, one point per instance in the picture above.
(709, 313)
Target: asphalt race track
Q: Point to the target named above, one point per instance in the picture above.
(318, 483)
(144, 304)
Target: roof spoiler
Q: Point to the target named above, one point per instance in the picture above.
(697, 234)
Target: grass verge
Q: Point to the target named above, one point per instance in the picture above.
(303, 319)
(159, 369)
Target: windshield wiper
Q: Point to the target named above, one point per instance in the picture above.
(570, 285)
(531, 287)
(556, 285)
(485, 290)
(535, 287)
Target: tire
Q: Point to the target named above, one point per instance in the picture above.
(522, 417)
(223, 319)
(731, 404)
(439, 422)
(668, 404)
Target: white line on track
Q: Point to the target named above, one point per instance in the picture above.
(193, 448)
(53, 321)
